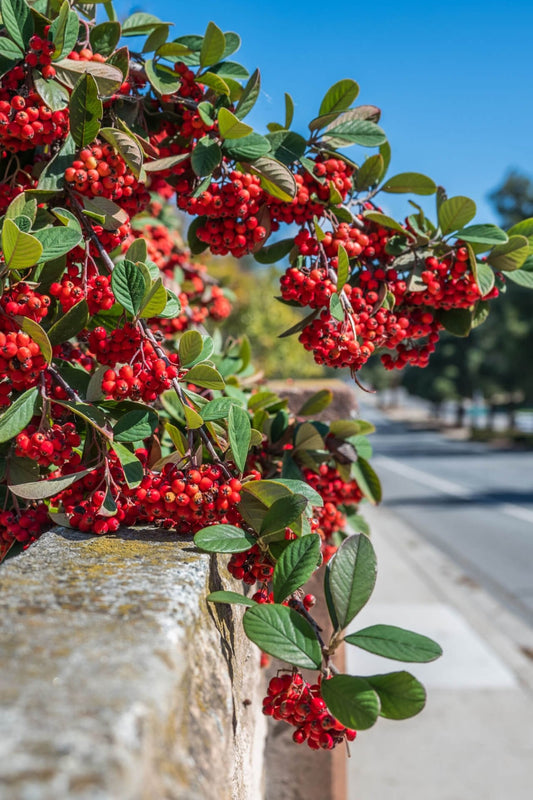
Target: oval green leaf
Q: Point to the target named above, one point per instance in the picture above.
(352, 578)
(400, 694)
(351, 700)
(295, 566)
(283, 633)
(390, 641)
(224, 539)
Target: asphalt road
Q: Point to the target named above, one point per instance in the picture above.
(473, 502)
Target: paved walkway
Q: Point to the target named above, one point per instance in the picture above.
(474, 739)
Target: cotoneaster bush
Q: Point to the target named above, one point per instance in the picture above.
(119, 408)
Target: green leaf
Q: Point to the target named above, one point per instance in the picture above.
(233, 42)
(135, 425)
(19, 414)
(108, 78)
(483, 234)
(387, 222)
(249, 95)
(410, 182)
(230, 126)
(52, 177)
(131, 466)
(57, 241)
(129, 285)
(21, 250)
(239, 434)
(154, 301)
(64, 31)
(289, 110)
(121, 60)
(335, 308)
(140, 23)
(85, 111)
(39, 490)
(216, 83)
(367, 479)
(308, 438)
(457, 321)
(127, 146)
(248, 148)
(343, 428)
(351, 700)
(295, 566)
(105, 37)
(230, 69)
(485, 278)
(38, 335)
(18, 21)
(401, 695)
(370, 172)
(316, 403)
(343, 268)
(90, 414)
(213, 45)
(455, 213)
(233, 598)
(397, 643)
(224, 539)
(70, 324)
(511, 255)
(109, 214)
(193, 420)
(283, 633)
(137, 251)
(283, 512)
(190, 347)
(287, 146)
(216, 409)
(10, 55)
(354, 131)
(339, 97)
(352, 577)
(523, 228)
(272, 253)
(522, 278)
(205, 376)
(206, 156)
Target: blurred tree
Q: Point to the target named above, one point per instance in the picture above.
(513, 200)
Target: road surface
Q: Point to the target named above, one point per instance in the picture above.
(473, 502)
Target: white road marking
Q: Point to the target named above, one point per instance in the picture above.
(447, 487)
(450, 488)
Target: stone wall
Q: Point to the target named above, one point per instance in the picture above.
(118, 681)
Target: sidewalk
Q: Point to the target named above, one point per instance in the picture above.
(474, 739)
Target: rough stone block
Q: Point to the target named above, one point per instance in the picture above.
(118, 681)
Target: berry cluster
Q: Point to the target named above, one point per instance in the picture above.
(100, 171)
(313, 191)
(53, 446)
(24, 526)
(292, 699)
(23, 301)
(76, 286)
(25, 121)
(252, 566)
(40, 55)
(188, 499)
(21, 360)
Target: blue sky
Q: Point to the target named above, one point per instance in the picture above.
(454, 81)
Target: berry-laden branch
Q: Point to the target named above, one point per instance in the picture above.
(120, 407)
